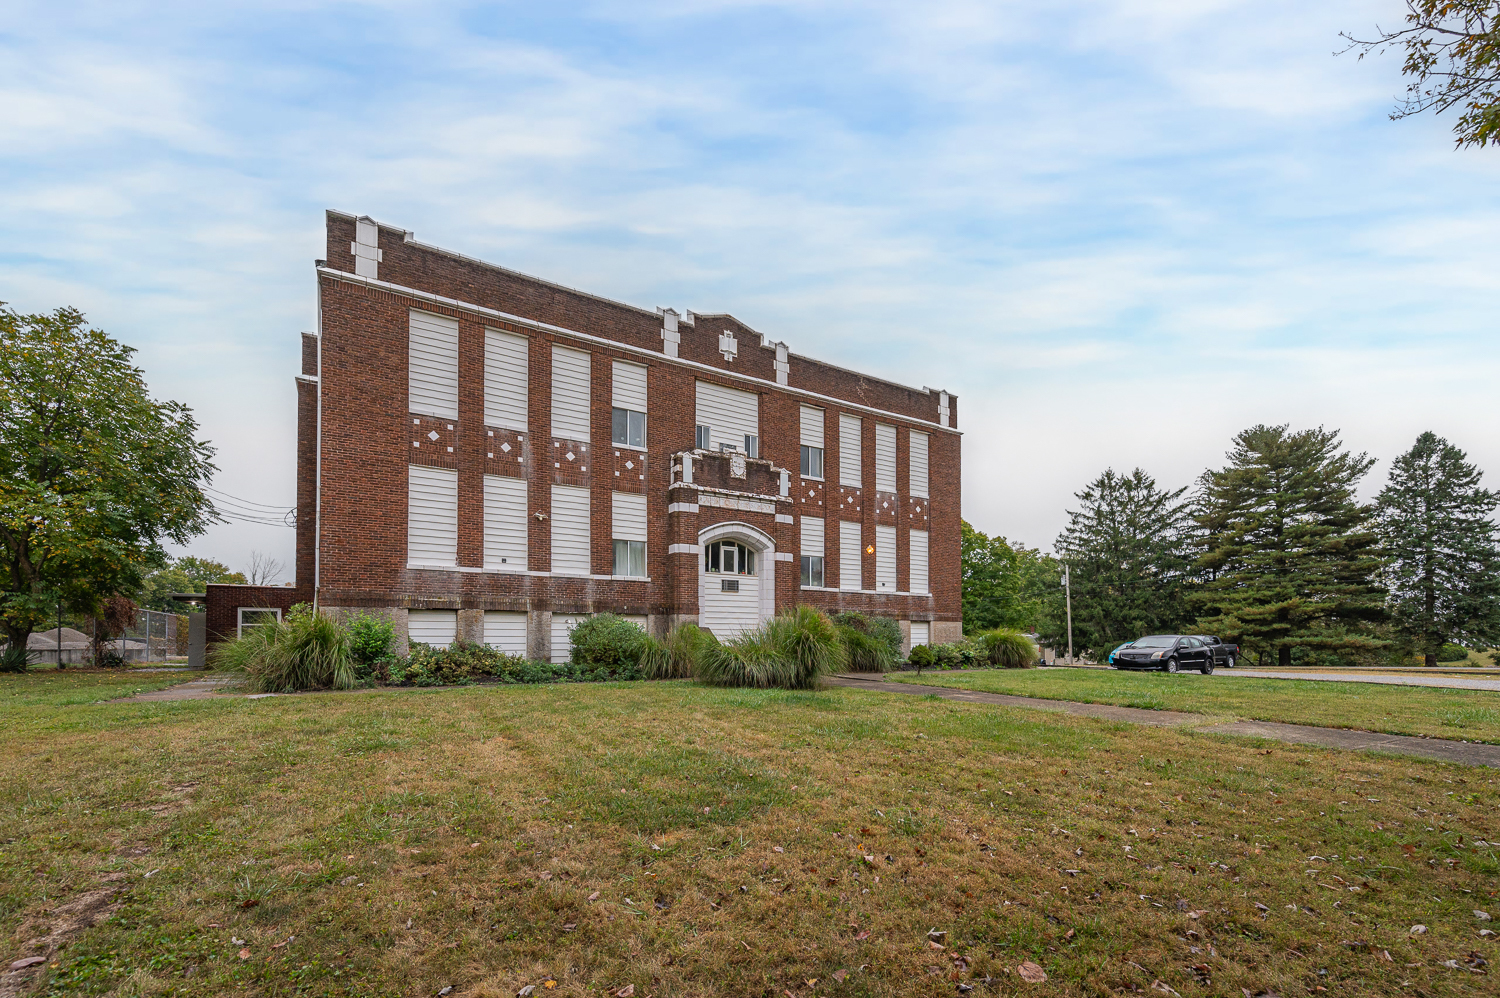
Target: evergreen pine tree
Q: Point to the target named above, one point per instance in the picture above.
(1128, 550)
(1444, 570)
(1291, 554)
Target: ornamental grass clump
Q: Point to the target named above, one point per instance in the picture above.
(680, 655)
(791, 652)
(306, 651)
(1006, 649)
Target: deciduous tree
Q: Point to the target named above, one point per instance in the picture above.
(1453, 59)
(1444, 567)
(94, 473)
(1291, 553)
(1005, 585)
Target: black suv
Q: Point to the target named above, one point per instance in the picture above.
(1170, 652)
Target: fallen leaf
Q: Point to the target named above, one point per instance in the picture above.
(777, 849)
(527, 991)
(1483, 916)
(1069, 934)
(544, 875)
(626, 991)
(1031, 973)
(244, 954)
(840, 974)
(1163, 987)
(27, 961)
(249, 902)
(237, 940)
(935, 945)
(445, 990)
(936, 935)
(594, 896)
(570, 926)
(862, 936)
(1419, 930)
(549, 985)
(812, 982)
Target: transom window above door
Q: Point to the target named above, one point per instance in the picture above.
(728, 558)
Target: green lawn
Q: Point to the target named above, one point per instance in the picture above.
(67, 687)
(693, 841)
(1402, 710)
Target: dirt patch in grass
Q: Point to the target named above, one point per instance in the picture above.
(1397, 710)
(480, 838)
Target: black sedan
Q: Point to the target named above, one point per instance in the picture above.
(1169, 652)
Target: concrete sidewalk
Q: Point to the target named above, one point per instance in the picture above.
(1444, 750)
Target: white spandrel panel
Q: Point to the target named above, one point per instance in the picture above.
(851, 451)
(506, 379)
(433, 364)
(431, 516)
(571, 374)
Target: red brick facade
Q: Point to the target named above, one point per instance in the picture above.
(356, 439)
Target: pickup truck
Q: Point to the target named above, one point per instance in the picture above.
(1224, 653)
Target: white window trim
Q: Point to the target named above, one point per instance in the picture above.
(239, 621)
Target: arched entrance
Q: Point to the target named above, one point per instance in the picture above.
(736, 578)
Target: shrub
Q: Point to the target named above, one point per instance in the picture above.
(873, 644)
(921, 657)
(306, 651)
(1007, 649)
(680, 655)
(370, 640)
(1452, 653)
(14, 659)
(790, 651)
(609, 642)
(461, 663)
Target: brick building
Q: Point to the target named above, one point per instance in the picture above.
(486, 455)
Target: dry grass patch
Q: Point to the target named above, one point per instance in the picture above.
(693, 841)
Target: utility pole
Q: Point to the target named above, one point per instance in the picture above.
(1068, 587)
(59, 636)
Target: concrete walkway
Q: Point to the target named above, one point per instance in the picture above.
(1445, 750)
(1390, 679)
(198, 689)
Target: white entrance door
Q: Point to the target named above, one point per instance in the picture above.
(730, 577)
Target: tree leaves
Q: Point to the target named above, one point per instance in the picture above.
(94, 473)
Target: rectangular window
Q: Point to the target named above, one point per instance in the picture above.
(812, 551)
(628, 428)
(885, 559)
(812, 570)
(437, 628)
(885, 458)
(432, 373)
(703, 438)
(731, 416)
(917, 567)
(254, 616)
(628, 400)
(851, 454)
(628, 519)
(630, 559)
(505, 523)
(812, 442)
(850, 555)
(505, 632)
(431, 516)
(570, 530)
(506, 392)
(917, 458)
(812, 462)
(571, 375)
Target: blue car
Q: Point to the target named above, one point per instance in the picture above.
(1117, 650)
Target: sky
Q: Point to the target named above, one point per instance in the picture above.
(1119, 232)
